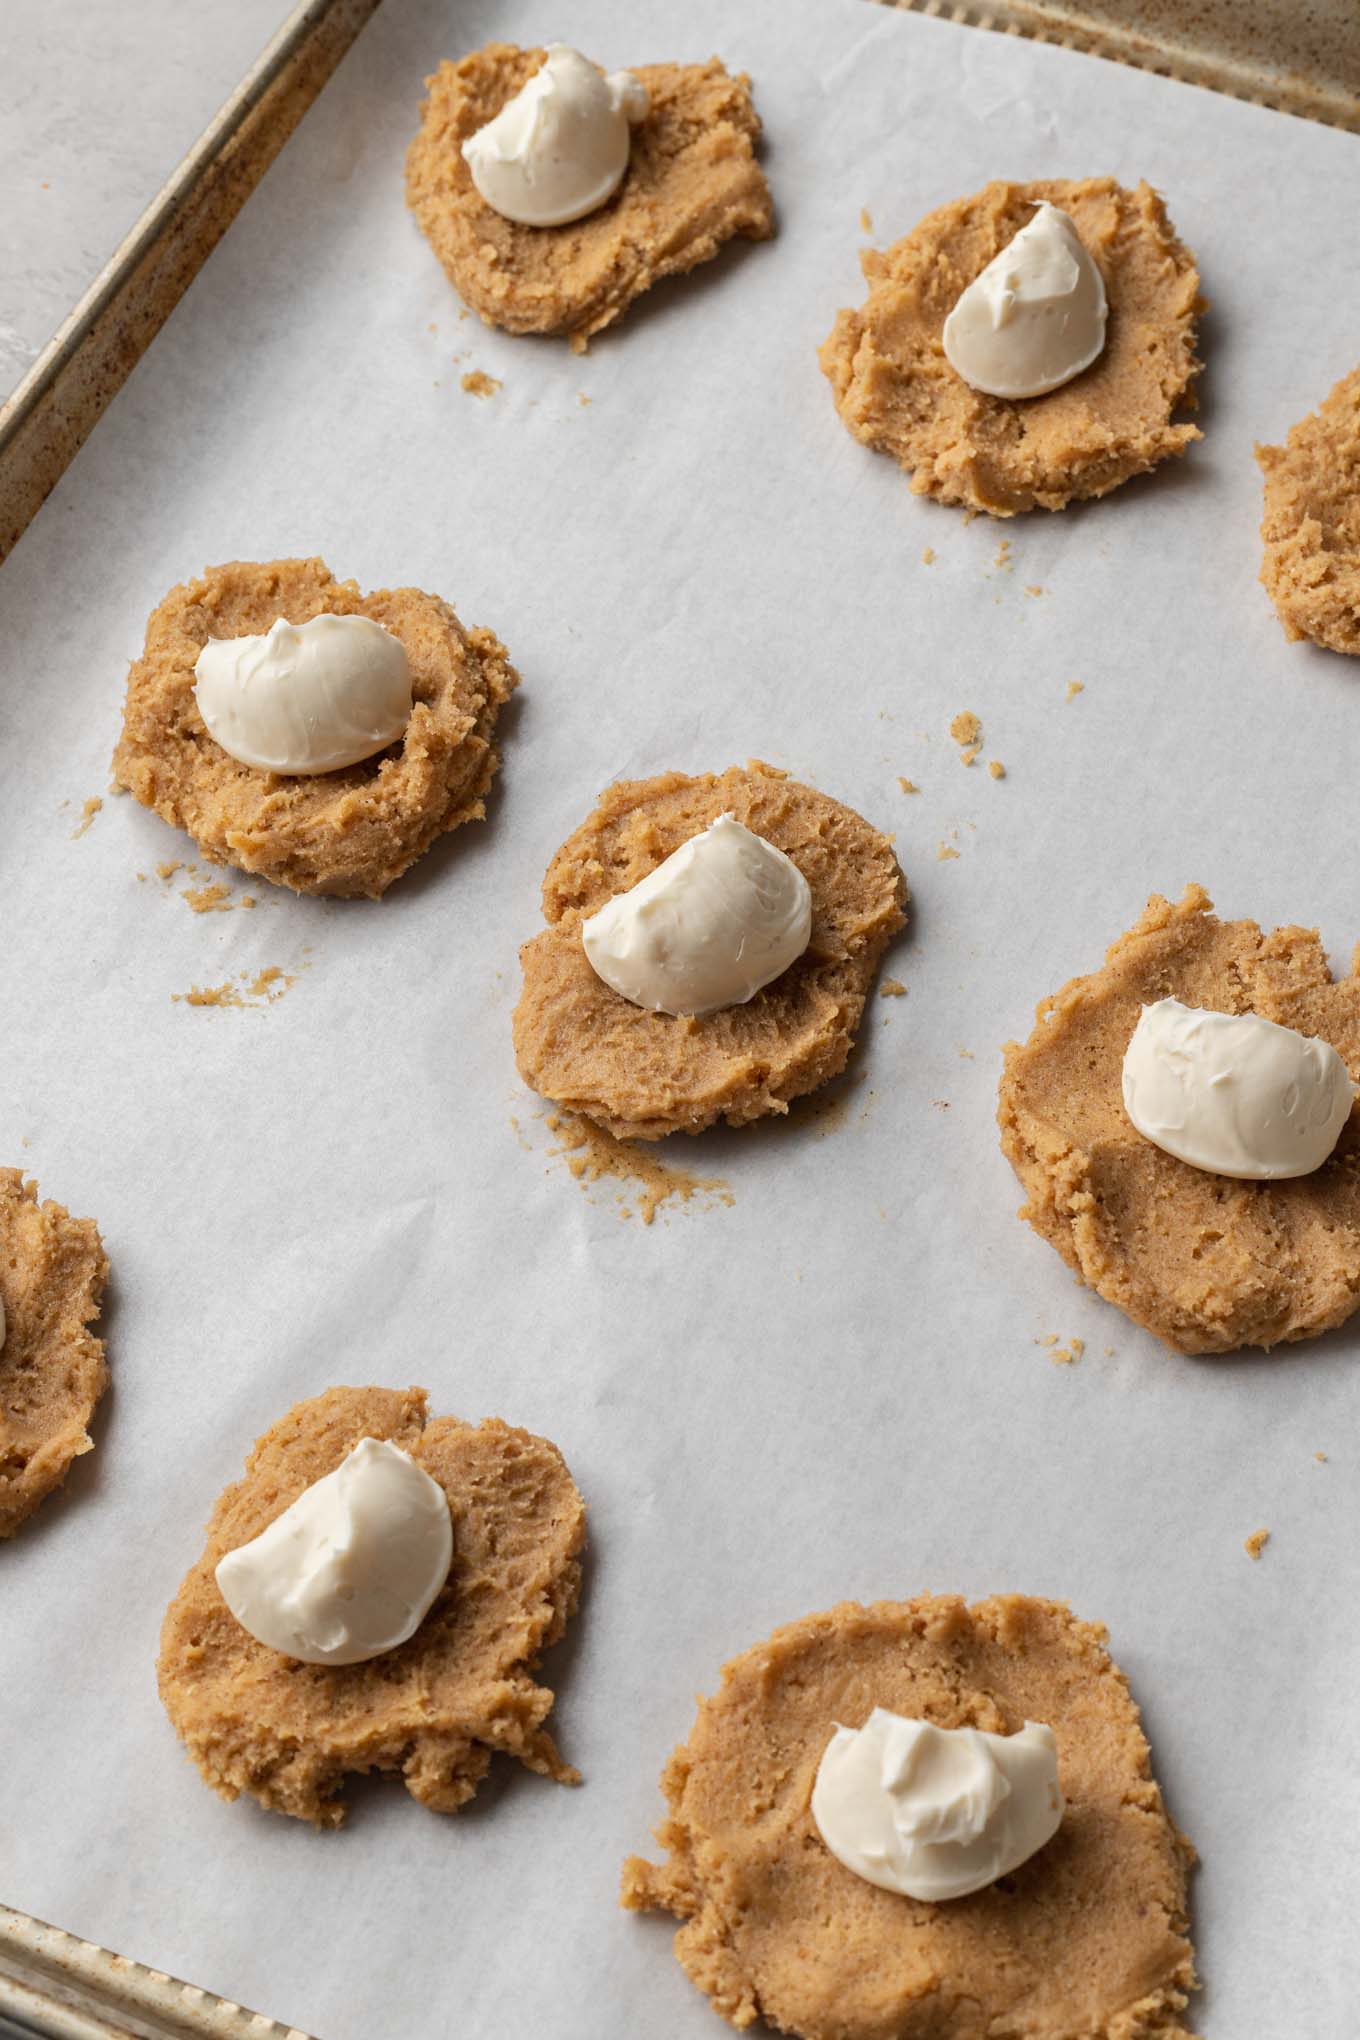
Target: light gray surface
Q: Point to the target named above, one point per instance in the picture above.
(99, 100)
(830, 1389)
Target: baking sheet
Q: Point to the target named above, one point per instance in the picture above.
(830, 1387)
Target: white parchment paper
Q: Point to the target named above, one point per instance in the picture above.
(832, 1388)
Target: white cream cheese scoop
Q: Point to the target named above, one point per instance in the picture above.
(351, 1568)
(1233, 1093)
(1035, 317)
(934, 1813)
(560, 147)
(721, 917)
(305, 697)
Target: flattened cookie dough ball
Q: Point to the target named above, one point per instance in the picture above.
(349, 832)
(436, 1707)
(1208, 1263)
(52, 1370)
(1088, 1937)
(896, 391)
(692, 183)
(643, 1074)
(1311, 525)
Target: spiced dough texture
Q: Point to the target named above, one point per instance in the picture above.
(1085, 1941)
(895, 390)
(350, 832)
(692, 183)
(1311, 526)
(52, 1369)
(437, 1706)
(642, 1075)
(1206, 1262)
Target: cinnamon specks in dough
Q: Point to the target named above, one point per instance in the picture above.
(1256, 1543)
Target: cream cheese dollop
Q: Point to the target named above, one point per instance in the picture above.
(1035, 317)
(350, 1569)
(559, 148)
(305, 697)
(722, 916)
(935, 1813)
(1233, 1093)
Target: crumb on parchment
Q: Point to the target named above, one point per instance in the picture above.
(892, 988)
(87, 815)
(944, 853)
(966, 727)
(866, 225)
(907, 785)
(478, 384)
(209, 899)
(1256, 1543)
(928, 556)
(592, 1154)
(1074, 688)
(262, 989)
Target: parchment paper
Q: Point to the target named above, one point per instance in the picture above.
(831, 1388)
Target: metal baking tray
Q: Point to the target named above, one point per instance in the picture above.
(1302, 61)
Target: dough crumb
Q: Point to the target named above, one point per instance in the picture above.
(968, 755)
(208, 899)
(263, 989)
(996, 768)
(944, 853)
(1321, 1458)
(478, 384)
(167, 871)
(1003, 556)
(582, 399)
(592, 1154)
(1256, 1543)
(1074, 688)
(87, 815)
(892, 988)
(249, 900)
(928, 556)
(1034, 588)
(907, 785)
(866, 225)
(966, 727)
(1068, 1355)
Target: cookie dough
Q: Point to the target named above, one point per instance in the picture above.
(895, 390)
(1206, 1262)
(350, 832)
(436, 1707)
(1088, 1938)
(52, 1371)
(692, 183)
(1311, 525)
(641, 1074)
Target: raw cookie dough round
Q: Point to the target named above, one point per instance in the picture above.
(437, 1706)
(1311, 525)
(641, 1074)
(896, 391)
(692, 183)
(1206, 1262)
(349, 832)
(52, 1371)
(1085, 1941)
